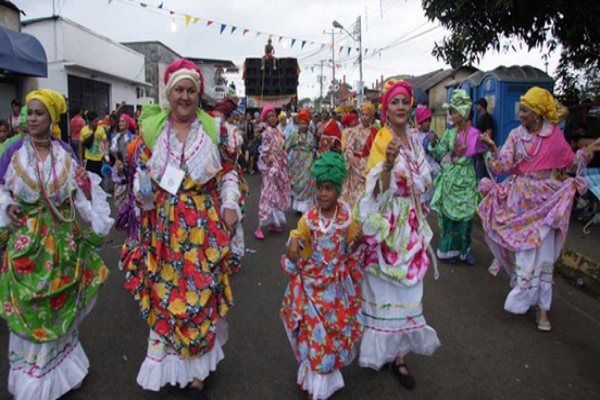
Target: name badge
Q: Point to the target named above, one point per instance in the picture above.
(171, 179)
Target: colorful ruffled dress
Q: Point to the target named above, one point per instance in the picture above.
(526, 217)
(179, 267)
(397, 237)
(354, 186)
(275, 191)
(456, 197)
(302, 149)
(321, 308)
(50, 272)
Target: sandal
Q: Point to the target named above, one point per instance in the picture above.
(407, 381)
(543, 326)
(259, 235)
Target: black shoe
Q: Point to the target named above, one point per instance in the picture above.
(407, 381)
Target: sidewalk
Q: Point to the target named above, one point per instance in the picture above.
(580, 258)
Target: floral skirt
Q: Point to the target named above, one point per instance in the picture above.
(180, 271)
(163, 366)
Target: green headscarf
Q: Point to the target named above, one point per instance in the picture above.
(331, 167)
(461, 102)
(23, 116)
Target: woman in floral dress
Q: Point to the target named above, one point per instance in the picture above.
(301, 147)
(526, 217)
(50, 272)
(397, 238)
(275, 191)
(122, 174)
(427, 136)
(356, 159)
(321, 307)
(456, 198)
(179, 267)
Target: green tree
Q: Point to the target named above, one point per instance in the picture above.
(477, 27)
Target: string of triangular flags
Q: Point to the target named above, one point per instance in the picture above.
(194, 20)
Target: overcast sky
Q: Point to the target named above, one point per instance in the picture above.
(384, 22)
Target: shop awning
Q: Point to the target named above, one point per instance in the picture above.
(22, 54)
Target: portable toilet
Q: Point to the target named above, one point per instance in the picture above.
(503, 88)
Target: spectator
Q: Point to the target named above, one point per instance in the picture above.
(485, 124)
(96, 151)
(4, 129)
(15, 117)
(76, 125)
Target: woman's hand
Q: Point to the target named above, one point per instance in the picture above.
(486, 138)
(293, 252)
(230, 218)
(433, 139)
(391, 152)
(14, 213)
(139, 201)
(120, 167)
(83, 181)
(357, 234)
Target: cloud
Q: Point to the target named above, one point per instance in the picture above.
(307, 19)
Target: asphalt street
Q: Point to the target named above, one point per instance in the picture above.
(486, 352)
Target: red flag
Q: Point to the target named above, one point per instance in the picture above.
(209, 23)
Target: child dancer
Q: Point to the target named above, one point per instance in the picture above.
(321, 309)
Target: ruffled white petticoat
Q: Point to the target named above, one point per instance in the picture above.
(48, 370)
(163, 366)
(394, 323)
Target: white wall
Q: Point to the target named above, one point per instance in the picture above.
(77, 45)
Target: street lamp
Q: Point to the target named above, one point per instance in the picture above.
(358, 39)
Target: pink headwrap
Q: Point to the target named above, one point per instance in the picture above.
(265, 111)
(183, 69)
(391, 89)
(131, 125)
(423, 114)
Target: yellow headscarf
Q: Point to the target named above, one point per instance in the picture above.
(368, 107)
(541, 102)
(282, 116)
(55, 104)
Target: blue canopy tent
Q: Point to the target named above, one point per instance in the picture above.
(21, 54)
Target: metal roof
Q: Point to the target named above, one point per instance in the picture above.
(431, 79)
(517, 73)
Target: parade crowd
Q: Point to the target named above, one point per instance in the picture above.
(356, 261)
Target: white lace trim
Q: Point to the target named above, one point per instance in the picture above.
(202, 156)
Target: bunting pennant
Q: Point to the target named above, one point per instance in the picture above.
(312, 69)
(110, 1)
(288, 40)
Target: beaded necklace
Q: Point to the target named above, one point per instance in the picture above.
(56, 212)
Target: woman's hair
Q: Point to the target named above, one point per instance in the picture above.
(5, 124)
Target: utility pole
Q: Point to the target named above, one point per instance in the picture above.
(381, 8)
(321, 83)
(333, 69)
(360, 59)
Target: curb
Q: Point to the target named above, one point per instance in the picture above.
(580, 269)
